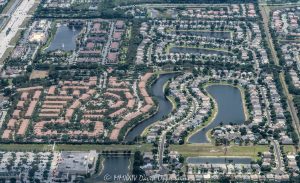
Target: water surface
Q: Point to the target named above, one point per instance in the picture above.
(64, 39)
(230, 109)
(114, 167)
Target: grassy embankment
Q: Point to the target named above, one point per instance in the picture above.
(194, 150)
(73, 147)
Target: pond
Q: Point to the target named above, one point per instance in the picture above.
(113, 166)
(211, 34)
(230, 110)
(218, 160)
(198, 51)
(164, 107)
(64, 39)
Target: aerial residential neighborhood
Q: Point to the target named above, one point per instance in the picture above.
(149, 91)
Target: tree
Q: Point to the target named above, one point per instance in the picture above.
(138, 161)
(29, 68)
(7, 91)
(181, 159)
(4, 83)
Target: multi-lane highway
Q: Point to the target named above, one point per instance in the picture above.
(18, 13)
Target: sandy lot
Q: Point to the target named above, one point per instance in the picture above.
(35, 74)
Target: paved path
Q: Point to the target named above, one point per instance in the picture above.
(107, 46)
(277, 153)
(162, 169)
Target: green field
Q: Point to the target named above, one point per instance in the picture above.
(192, 150)
(71, 147)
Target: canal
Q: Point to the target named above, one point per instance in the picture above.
(198, 51)
(210, 34)
(64, 39)
(164, 107)
(230, 110)
(218, 160)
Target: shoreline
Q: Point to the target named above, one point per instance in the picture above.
(50, 38)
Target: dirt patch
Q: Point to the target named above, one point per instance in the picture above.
(39, 74)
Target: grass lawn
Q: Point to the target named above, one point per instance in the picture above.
(70, 147)
(289, 149)
(34, 7)
(24, 24)
(15, 39)
(115, 147)
(6, 54)
(172, 100)
(8, 6)
(192, 150)
(25, 147)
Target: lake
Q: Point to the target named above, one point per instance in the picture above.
(64, 39)
(113, 166)
(230, 110)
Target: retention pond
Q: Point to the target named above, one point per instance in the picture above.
(230, 110)
(64, 39)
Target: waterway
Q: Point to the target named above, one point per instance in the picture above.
(164, 107)
(230, 110)
(64, 39)
(198, 51)
(211, 34)
(218, 160)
